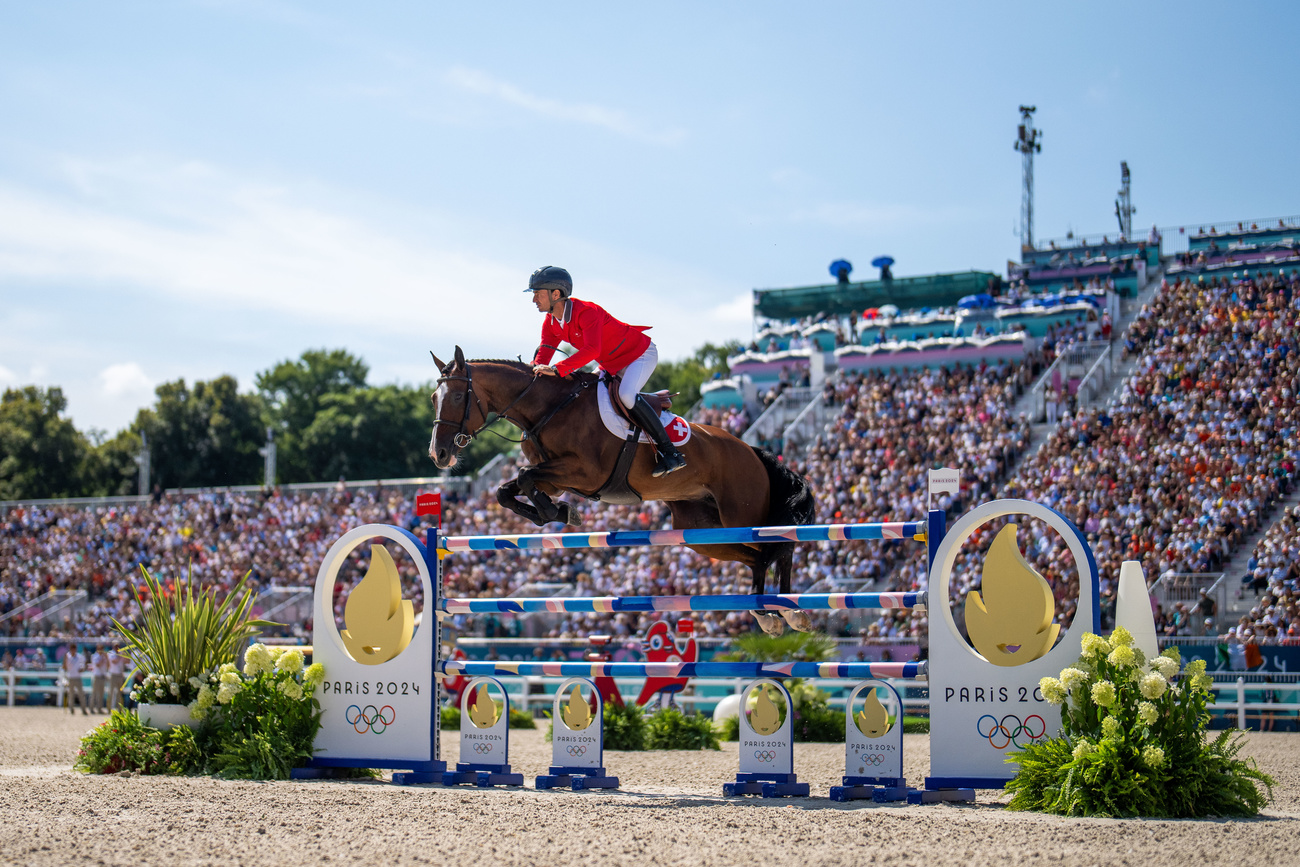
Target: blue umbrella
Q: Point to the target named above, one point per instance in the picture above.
(841, 265)
(882, 261)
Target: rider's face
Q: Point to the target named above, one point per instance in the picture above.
(542, 298)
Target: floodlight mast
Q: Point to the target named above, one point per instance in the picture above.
(1027, 143)
(1124, 209)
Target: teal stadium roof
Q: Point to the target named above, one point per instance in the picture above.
(935, 290)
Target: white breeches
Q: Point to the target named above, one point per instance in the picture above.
(636, 374)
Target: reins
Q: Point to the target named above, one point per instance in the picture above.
(463, 439)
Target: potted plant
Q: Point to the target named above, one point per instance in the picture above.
(180, 637)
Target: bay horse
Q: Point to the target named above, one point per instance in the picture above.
(725, 483)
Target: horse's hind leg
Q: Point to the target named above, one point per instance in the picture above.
(800, 621)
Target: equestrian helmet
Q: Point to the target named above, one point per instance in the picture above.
(551, 277)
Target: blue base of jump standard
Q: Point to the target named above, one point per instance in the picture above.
(421, 777)
(482, 776)
(576, 779)
(878, 789)
(767, 786)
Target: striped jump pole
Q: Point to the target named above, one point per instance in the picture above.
(650, 604)
(855, 670)
(916, 530)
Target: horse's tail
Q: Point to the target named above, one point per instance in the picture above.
(791, 500)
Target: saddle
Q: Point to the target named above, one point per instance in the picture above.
(616, 489)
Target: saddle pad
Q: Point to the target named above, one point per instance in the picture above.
(678, 430)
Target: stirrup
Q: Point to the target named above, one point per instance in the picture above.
(670, 462)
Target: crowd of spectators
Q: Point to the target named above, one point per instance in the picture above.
(1197, 449)
(1189, 460)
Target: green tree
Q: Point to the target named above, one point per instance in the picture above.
(41, 452)
(369, 433)
(295, 392)
(109, 469)
(205, 436)
(686, 376)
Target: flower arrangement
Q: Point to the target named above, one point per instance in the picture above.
(181, 635)
(258, 723)
(1133, 742)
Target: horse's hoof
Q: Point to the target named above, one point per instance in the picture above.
(800, 621)
(569, 515)
(770, 623)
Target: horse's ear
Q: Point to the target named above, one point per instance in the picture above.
(460, 357)
(441, 367)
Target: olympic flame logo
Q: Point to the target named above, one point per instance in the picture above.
(1010, 730)
(370, 719)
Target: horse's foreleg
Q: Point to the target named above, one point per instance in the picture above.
(547, 509)
(507, 496)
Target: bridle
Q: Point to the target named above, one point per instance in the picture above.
(463, 439)
(460, 438)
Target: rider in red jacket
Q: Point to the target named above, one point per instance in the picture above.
(617, 347)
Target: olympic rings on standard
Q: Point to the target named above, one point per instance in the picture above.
(577, 749)
(482, 749)
(371, 719)
(765, 755)
(873, 759)
(1010, 730)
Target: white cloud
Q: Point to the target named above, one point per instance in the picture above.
(191, 233)
(609, 119)
(738, 310)
(126, 380)
(7, 376)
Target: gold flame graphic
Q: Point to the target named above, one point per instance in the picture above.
(577, 713)
(1012, 623)
(482, 709)
(872, 720)
(765, 717)
(380, 622)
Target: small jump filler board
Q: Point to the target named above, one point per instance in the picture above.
(766, 746)
(873, 747)
(577, 739)
(484, 738)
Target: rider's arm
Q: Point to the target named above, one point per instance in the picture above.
(591, 324)
(550, 339)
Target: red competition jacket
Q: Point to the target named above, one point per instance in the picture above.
(595, 334)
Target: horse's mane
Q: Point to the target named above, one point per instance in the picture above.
(523, 366)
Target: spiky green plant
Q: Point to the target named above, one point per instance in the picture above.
(787, 647)
(183, 634)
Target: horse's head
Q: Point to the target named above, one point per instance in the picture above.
(457, 411)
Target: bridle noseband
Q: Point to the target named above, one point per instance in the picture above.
(461, 439)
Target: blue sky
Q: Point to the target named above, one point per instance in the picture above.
(191, 189)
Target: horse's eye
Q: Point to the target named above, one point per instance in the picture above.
(457, 398)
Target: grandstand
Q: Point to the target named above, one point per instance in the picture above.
(1152, 401)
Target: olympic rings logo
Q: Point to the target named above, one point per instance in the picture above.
(873, 759)
(371, 719)
(576, 750)
(1011, 730)
(765, 755)
(482, 749)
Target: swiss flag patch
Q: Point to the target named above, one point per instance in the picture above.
(678, 430)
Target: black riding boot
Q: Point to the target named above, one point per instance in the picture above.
(670, 460)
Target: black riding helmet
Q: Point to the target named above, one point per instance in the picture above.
(551, 277)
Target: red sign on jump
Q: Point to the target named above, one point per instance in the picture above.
(429, 504)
